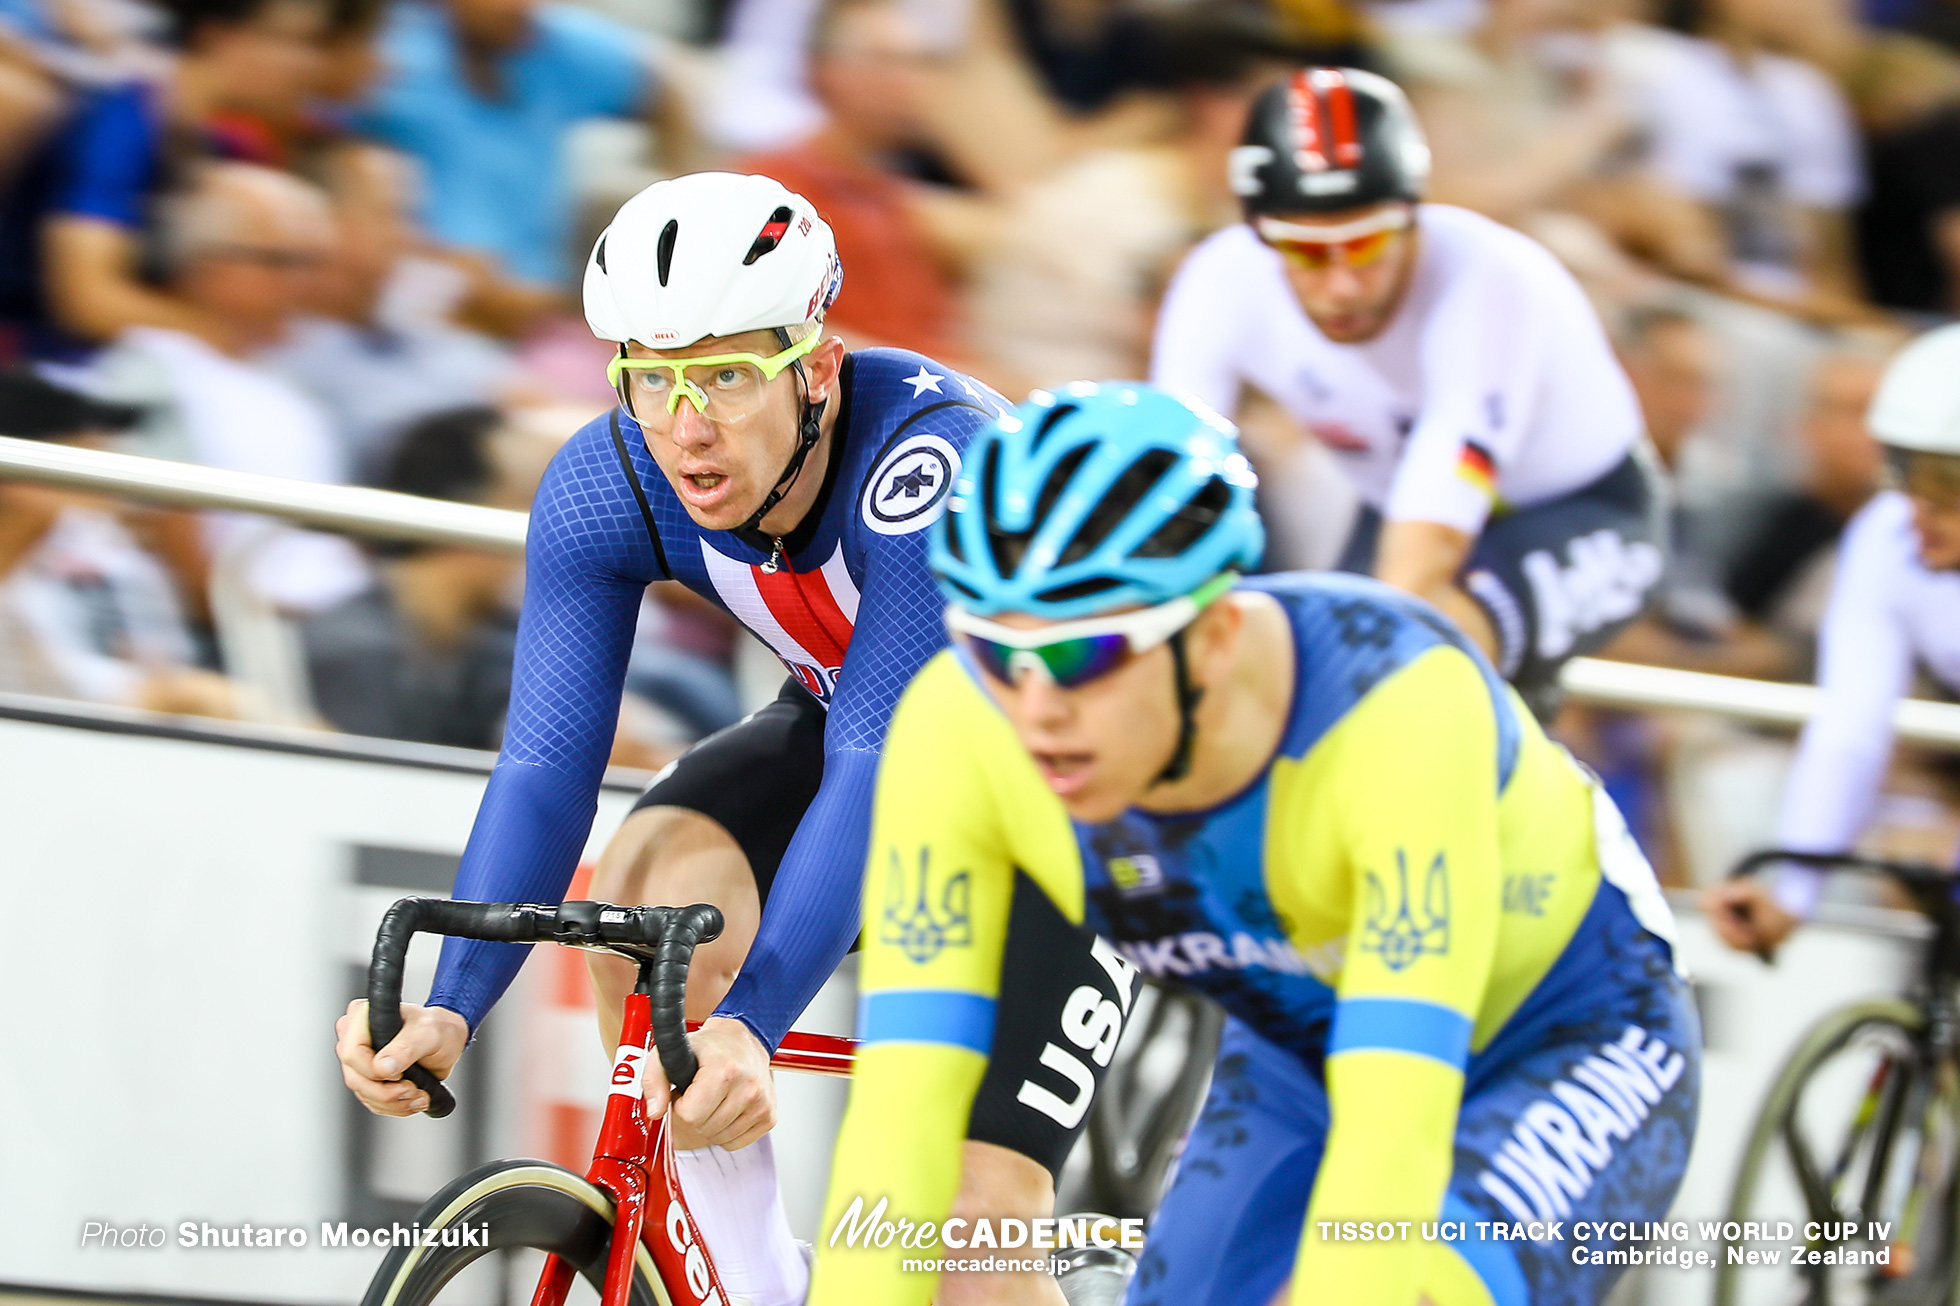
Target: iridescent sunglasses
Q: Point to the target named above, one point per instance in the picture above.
(1358, 243)
(1073, 653)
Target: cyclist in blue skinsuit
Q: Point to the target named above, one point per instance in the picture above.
(755, 461)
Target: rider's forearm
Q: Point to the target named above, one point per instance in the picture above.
(1418, 961)
(583, 582)
(529, 833)
(1473, 619)
(812, 915)
(1829, 797)
(1865, 665)
(939, 887)
(937, 897)
(1424, 558)
(1421, 557)
(900, 1146)
(1388, 1159)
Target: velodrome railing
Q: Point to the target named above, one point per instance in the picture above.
(381, 514)
(346, 509)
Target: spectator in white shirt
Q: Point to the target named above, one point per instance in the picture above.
(380, 354)
(84, 611)
(244, 245)
(1764, 142)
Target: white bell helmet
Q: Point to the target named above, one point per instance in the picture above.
(1918, 401)
(709, 254)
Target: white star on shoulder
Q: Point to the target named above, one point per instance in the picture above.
(923, 382)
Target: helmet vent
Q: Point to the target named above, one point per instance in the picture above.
(1010, 547)
(990, 476)
(1188, 524)
(1048, 423)
(1080, 589)
(770, 236)
(599, 254)
(952, 538)
(1118, 503)
(664, 252)
(1058, 479)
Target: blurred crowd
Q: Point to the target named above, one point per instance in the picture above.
(338, 240)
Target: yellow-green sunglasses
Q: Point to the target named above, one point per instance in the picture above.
(722, 387)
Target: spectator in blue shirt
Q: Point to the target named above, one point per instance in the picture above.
(73, 258)
(483, 92)
(378, 352)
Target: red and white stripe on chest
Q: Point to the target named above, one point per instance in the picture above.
(806, 617)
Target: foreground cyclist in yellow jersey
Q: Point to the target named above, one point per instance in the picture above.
(1447, 966)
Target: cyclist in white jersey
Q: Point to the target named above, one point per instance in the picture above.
(1895, 605)
(1454, 368)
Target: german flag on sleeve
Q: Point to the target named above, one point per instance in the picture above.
(1476, 466)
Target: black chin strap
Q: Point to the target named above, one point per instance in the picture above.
(809, 428)
(1188, 696)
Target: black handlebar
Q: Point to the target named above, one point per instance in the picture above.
(1934, 891)
(671, 933)
(1917, 877)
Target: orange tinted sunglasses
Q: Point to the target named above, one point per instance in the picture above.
(1354, 244)
(1318, 255)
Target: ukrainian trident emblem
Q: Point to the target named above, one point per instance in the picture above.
(1394, 930)
(921, 917)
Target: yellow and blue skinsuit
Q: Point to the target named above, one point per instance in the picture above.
(1424, 919)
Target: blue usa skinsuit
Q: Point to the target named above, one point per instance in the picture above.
(851, 611)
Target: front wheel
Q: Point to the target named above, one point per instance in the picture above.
(503, 1207)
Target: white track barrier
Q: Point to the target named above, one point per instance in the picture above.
(197, 901)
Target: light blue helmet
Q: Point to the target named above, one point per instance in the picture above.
(1101, 496)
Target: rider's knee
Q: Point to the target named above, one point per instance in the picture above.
(997, 1181)
(642, 862)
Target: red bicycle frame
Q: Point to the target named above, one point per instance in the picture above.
(633, 1163)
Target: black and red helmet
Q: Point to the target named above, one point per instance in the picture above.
(1329, 139)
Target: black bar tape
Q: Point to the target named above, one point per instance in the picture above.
(1911, 874)
(687, 927)
(500, 922)
(673, 933)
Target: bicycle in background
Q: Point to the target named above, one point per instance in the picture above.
(1151, 1095)
(1863, 1122)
